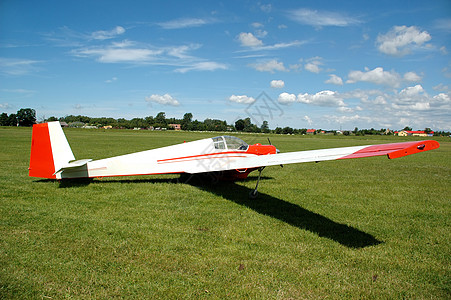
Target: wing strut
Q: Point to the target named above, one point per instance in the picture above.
(253, 194)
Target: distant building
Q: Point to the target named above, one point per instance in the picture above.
(414, 133)
(311, 131)
(64, 124)
(176, 126)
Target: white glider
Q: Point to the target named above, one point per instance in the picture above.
(52, 157)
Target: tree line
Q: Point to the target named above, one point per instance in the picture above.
(23, 117)
(27, 117)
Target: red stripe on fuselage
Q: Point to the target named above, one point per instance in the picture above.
(228, 154)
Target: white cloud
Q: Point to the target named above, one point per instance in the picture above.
(242, 99)
(165, 99)
(377, 76)
(323, 98)
(412, 92)
(443, 24)
(269, 66)
(132, 53)
(111, 80)
(286, 98)
(257, 25)
(5, 105)
(202, 66)
(441, 87)
(308, 119)
(381, 77)
(277, 84)
(247, 39)
(17, 66)
(321, 18)
(119, 53)
(280, 45)
(412, 77)
(334, 79)
(184, 23)
(313, 67)
(400, 40)
(266, 8)
(104, 35)
(181, 51)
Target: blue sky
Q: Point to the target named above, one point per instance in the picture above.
(303, 64)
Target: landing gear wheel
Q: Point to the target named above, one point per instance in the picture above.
(253, 194)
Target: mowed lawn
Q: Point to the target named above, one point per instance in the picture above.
(363, 228)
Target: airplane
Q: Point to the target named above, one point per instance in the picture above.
(226, 156)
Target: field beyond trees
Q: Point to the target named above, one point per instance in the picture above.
(363, 228)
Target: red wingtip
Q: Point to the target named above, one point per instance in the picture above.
(416, 147)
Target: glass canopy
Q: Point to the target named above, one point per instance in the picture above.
(227, 142)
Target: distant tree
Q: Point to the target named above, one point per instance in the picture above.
(287, 130)
(160, 120)
(4, 119)
(138, 123)
(150, 121)
(239, 125)
(427, 130)
(407, 128)
(278, 130)
(51, 119)
(265, 127)
(187, 121)
(26, 117)
(12, 120)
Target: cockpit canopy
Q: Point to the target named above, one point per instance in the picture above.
(227, 142)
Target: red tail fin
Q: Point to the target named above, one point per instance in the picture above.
(50, 150)
(41, 159)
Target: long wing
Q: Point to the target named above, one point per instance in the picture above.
(393, 150)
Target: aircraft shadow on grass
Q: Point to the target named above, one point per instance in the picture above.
(266, 205)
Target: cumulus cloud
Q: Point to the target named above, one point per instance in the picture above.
(323, 98)
(165, 99)
(242, 99)
(376, 76)
(313, 67)
(104, 35)
(286, 98)
(277, 84)
(382, 77)
(334, 79)
(269, 66)
(412, 77)
(247, 39)
(321, 18)
(400, 40)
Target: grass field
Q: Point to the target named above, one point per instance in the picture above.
(364, 228)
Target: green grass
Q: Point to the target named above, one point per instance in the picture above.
(364, 228)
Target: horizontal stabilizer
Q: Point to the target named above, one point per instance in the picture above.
(73, 164)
